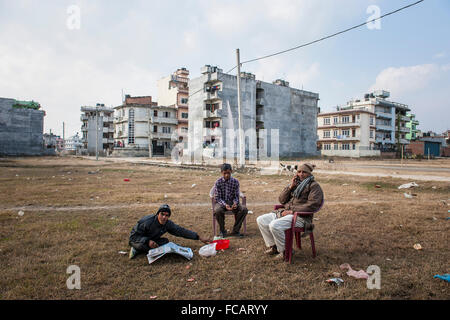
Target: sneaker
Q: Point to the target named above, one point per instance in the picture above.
(222, 234)
(272, 250)
(279, 256)
(236, 234)
(133, 253)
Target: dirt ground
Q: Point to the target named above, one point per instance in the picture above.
(80, 212)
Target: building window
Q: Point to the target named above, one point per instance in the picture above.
(346, 133)
(354, 146)
(371, 121)
(155, 129)
(166, 114)
(326, 147)
(167, 144)
(326, 121)
(155, 113)
(345, 119)
(167, 130)
(326, 134)
(184, 100)
(371, 134)
(346, 146)
(336, 146)
(131, 126)
(184, 115)
(184, 129)
(335, 120)
(335, 133)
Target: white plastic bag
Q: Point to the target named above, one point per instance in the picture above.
(208, 250)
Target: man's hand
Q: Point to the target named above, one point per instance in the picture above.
(228, 208)
(152, 244)
(204, 240)
(294, 182)
(234, 206)
(287, 212)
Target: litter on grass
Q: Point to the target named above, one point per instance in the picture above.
(417, 246)
(445, 277)
(336, 281)
(361, 274)
(408, 185)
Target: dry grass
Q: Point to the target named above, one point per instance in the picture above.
(85, 219)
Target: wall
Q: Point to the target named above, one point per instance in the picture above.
(21, 130)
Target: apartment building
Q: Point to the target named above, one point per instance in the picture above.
(163, 130)
(97, 129)
(391, 119)
(267, 109)
(412, 125)
(173, 91)
(347, 133)
(131, 126)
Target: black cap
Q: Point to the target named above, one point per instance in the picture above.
(164, 208)
(226, 166)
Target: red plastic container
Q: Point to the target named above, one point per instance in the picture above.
(222, 244)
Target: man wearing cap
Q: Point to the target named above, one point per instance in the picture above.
(303, 194)
(226, 193)
(146, 234)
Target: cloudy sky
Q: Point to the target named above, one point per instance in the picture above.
(49, 55)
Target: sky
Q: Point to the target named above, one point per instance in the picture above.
(68, 54)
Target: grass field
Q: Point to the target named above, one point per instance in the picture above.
(80, 212)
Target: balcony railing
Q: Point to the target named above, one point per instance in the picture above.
(209, 114)
(160, 135)
(212, 132)
(164, 120)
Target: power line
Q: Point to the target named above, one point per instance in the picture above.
(332, 35)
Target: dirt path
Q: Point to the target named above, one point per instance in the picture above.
(386, 175)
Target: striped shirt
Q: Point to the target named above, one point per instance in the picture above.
(226, 191)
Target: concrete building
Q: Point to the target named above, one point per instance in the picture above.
(163, 130)
(213, 108)
(173, 91)
(73, 145)
(131, 124)
(21, 128)
(347, 133)
(412, 125)
(98, 118)
(391, 119)
(52, 141)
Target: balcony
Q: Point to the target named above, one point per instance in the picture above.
(212, 132)
(404, 118)
(84, 128)
(260, 101)
(384, 115)
(83, 117)
(164, 120)
(403, 141)
(160, 135)
(216, 114)
(210, 96)
(260, 117)
(383, 127)
(404, 129)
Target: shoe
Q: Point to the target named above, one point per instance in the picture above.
(271, 251)
(222, 234)
(236, 234)
(133, 253)
(279, 256)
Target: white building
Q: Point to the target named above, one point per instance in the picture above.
(163, 127)
(347, 133)
(98, 118)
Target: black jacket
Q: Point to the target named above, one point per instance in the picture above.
(149, 228)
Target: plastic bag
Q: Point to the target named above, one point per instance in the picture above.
(208, 250)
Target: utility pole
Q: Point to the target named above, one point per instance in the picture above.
(241, 162)
(64, 137)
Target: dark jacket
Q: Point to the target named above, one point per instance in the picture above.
(149, 228)
(310, 199)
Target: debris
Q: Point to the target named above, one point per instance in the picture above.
(433, 187)
(445, 277)
(193, 186)
(408, 185)
(361, 274)
(381, 212)
(316, 219)
(188, 266)
(21, 213)
(153, 297)
(250, 212)
(336, 274)
(434, 218)
(345, 184)
(354, 191)
(123, 252)
(377, 186)
(126, 179)
(388, 259)
(165, 196)
(208, 250)
(170, 182)
(241, 249)
(417, 246)
(17, 175)
(217, 290)
(222, 244)
(408, 196)
(337, 281)
(190, 279)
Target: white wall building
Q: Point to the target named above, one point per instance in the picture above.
(98, 118)
(347, 133)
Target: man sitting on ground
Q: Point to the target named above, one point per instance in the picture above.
(226, 193)
(303, 194)
(146, 234)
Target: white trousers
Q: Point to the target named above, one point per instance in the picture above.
(272, 229)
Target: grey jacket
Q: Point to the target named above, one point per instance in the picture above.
(149, 228)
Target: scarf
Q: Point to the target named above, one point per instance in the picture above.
(302, 185)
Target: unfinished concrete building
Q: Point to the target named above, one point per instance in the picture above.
(101, 119)
(267, 109)
(21, 128)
